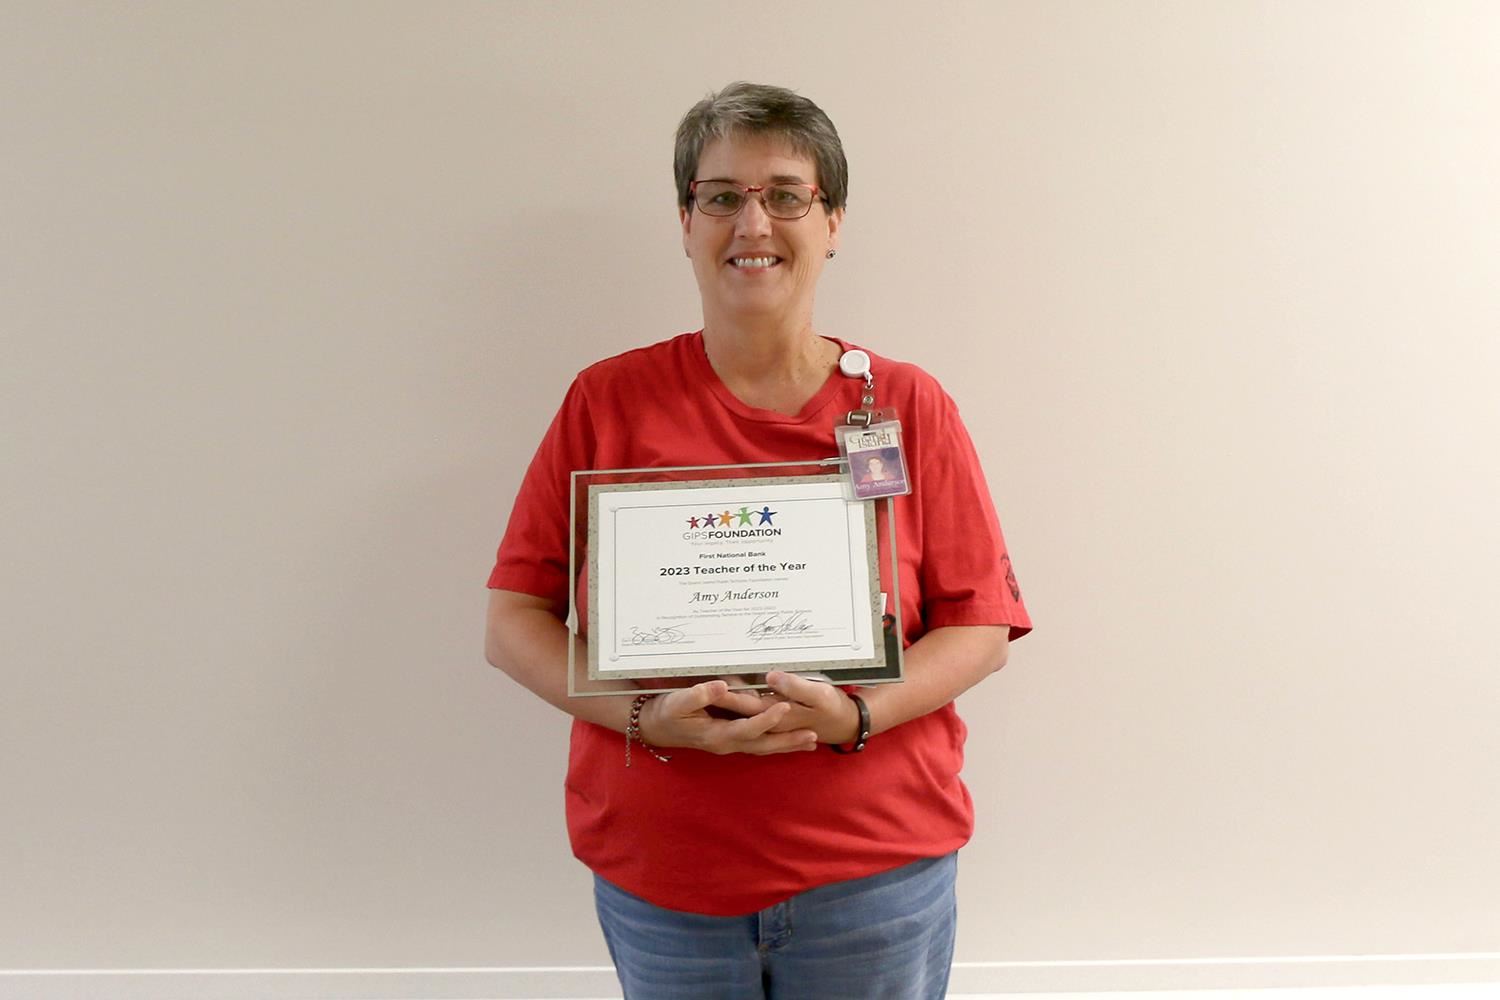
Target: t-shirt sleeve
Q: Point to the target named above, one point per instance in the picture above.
(533, 555)
(966, 572)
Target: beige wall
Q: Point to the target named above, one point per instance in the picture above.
(290, 291)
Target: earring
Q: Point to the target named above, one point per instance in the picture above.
(831, 253)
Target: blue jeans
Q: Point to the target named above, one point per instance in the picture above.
(885, 937)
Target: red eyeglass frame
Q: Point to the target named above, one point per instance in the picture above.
(748, 189)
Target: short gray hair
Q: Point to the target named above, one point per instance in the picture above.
(757, 109)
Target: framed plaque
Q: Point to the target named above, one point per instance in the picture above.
(690, 573)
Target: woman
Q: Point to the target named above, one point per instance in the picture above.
(700, 861)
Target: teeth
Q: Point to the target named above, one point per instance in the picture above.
(754, 261)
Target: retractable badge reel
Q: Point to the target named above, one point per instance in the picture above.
(870, 439)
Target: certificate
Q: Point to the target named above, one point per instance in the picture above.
(731, 576)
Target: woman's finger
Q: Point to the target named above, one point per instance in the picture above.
(799, 689)
(743, 702)
(750, 728)
(687, 701)
(732, 735)
(756, 734)
(796, 742)
(800, 717)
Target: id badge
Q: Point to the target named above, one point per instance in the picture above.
(876, 462)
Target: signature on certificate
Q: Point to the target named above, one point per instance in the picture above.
(661, 635)
(774, 623)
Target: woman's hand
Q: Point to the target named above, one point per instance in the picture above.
(683, 718)
(821, 707)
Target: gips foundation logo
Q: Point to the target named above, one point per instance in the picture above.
(743, 523)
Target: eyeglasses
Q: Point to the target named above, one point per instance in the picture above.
(781, 201)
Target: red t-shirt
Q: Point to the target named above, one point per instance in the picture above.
(734, 834)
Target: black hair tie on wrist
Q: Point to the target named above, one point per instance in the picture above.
(864, 728)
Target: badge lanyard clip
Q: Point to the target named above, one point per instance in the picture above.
(856, 364)
(870, 439)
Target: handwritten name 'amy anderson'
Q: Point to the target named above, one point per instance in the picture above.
(705, 597)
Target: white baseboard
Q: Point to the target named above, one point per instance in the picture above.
(513, 983)
(1258, 972)
(1330, 977)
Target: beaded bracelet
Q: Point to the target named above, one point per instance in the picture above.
(633, 731)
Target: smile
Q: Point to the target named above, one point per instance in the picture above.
(754, 262)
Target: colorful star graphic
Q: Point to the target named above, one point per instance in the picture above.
(692, 522)
(724, 519)
(744, 515)
(766, 513)
(711, 519)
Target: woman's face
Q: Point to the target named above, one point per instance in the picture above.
(730, 254)
(877, 468)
